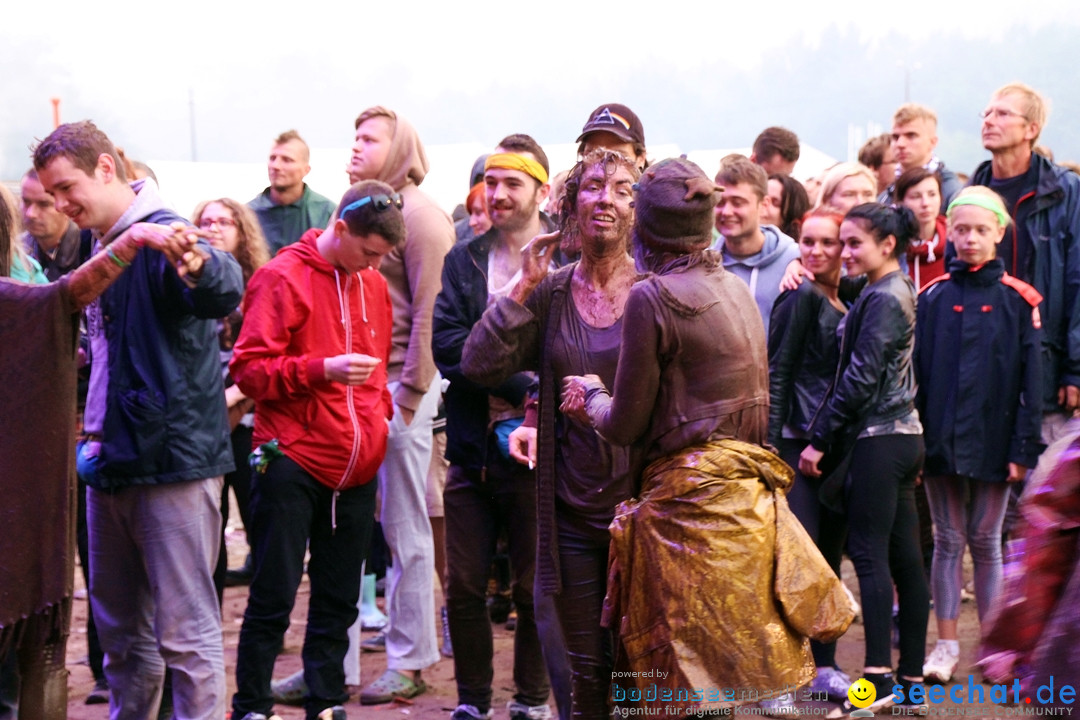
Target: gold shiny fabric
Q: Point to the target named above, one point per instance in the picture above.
(691, 585)
(811, 597)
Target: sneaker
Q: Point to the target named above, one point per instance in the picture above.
(470, 712)
(520, 711)
(333, 713)
(781, 706)
(941, 664)
(241, 576)
(499, 607)
(375, 643)
(908, 706)
(832, 683)
(391, 686)
(258, 716)
(290, 690)
(883, 698)
(99, 695)
(447, 648)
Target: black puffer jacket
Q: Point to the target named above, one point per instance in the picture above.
(803, 351)
(875, 378)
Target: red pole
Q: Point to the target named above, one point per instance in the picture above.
(55, 112)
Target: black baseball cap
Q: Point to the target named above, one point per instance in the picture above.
(616, 119)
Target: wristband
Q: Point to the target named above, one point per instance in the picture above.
(119, 263)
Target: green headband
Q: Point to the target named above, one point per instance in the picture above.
(983, 202)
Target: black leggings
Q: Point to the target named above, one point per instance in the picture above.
(883, 542)
(824, 526)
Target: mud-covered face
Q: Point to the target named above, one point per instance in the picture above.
(605, 207)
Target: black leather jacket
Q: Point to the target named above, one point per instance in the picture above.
(803, 352)
(875, 379)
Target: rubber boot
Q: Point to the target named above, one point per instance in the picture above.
(371, 618)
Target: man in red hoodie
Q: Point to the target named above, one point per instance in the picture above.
(313, 353)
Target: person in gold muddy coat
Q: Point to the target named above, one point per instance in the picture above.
(712, 585)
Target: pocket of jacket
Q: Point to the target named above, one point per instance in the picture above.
(143, 418)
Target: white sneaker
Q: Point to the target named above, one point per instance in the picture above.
(470, 712)
(519, 711)
(941, 664)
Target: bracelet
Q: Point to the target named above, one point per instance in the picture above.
(119, 263)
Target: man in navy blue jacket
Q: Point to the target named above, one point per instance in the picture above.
(156, 431)
(1042, 247)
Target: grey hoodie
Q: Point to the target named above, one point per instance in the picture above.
(147, 202)
(763, 271)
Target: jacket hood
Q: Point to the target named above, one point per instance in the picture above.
(769, 253)
(147, 202)
(406, 161)
(306, 250)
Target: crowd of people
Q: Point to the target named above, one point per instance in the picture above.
(659, 387)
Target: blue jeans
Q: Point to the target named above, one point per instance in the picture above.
(291, 511)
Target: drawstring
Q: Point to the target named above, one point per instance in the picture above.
(363, 301)
(753, 282)
(340, 299)
(333, 512)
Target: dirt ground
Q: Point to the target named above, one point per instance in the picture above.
(440, 699)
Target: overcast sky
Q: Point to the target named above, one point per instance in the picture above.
(239, 72)
(432, 44)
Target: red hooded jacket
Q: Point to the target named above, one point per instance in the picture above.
(298, 311)
(920, 270)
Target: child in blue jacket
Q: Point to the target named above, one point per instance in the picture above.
(978, 365)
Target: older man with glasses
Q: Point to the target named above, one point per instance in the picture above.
(1041, 247)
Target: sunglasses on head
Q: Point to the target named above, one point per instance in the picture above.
(380, 203)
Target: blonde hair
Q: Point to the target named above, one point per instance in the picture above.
(914, 111)
(12, 252)
(1036, 108)
(991, 198)
(837, 174)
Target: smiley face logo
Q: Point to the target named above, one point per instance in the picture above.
(862, 693)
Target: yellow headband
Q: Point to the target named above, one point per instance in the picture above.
(515, 161)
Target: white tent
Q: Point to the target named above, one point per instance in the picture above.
(185, 184)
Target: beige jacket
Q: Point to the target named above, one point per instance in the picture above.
(413, 270)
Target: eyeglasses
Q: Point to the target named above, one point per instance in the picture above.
(207, 223)
(379, 202)
(1001, 114)
(611, 160)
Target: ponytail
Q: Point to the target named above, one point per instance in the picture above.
(882, 221)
